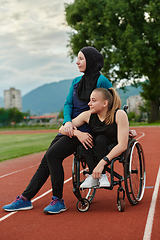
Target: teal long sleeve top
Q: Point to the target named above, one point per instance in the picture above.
(73, 106)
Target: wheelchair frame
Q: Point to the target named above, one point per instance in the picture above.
(134, 177)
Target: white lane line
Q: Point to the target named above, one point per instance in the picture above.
(8, 174)
(149, 224)
(44, 194)
(35, 199)
(8, 215)
(143, 134)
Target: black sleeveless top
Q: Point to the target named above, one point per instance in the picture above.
(100, 128)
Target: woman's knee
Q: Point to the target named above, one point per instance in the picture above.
(49, 155)
(54, 156)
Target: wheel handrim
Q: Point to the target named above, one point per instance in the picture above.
(137, 175)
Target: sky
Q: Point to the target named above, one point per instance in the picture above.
(33, 39)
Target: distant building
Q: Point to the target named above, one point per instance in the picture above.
(12, 98)
(133, 103)
(47, 119)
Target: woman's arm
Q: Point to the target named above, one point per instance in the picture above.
(67, 112)
(78, 121)
(68, 105)
(68, 109)
(85, 138)
(123, 134)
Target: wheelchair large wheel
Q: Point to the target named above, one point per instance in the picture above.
(134, 172)
(79, 169)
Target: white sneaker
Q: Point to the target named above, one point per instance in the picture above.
(103, 181)
(89, 182)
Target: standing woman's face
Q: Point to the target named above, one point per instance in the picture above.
(81, 62)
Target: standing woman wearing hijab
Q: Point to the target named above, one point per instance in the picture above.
(90, 62)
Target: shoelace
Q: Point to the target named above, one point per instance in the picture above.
(17, 199)
(54, 201)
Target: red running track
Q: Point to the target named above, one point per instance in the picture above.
(101, 221)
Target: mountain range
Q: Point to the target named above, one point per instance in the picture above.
(47, 98)
(50, 98)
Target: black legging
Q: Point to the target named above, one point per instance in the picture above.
(51, 164)
(102, 146)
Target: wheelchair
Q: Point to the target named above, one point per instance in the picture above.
(134, 178)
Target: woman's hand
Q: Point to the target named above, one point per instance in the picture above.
(85, 138)
(98, 169)
(132, 133)
(68, 129)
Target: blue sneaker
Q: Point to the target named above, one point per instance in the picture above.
(56, 206)
(18, 205)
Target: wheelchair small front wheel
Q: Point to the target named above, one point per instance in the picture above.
(121, 204)
(83, 206)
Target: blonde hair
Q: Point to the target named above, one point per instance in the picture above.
(114, 102)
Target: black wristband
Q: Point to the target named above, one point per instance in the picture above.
(106, 159)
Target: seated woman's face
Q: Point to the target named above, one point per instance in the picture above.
(97, 104)
(81, 62)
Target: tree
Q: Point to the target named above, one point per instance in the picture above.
(3, 116)
(127, 33)
(7, 116)
(14, 115)
(145, 109)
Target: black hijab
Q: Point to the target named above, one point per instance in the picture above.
(88, 82)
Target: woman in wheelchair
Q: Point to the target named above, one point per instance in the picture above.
(110, 131)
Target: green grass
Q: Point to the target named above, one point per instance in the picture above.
(36, 127)
(144, 124)
(17, 145)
